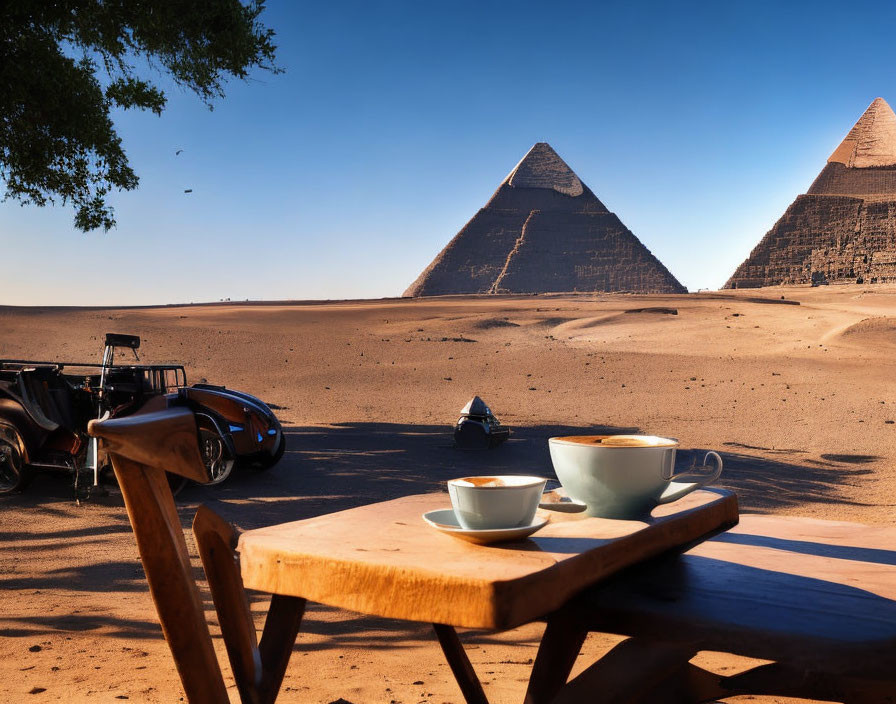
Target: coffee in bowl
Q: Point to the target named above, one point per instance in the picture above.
(624, 476)
(491, 502)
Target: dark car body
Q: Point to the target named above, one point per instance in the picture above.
(45, 408)
(478, 428)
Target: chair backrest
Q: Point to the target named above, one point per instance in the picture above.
(257, 668)
(143, 447)
(216, 540)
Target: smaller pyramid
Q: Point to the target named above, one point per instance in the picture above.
(872, 140)
(843, 229)
(544, 231)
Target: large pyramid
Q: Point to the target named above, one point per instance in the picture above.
(844, 228)
(544, 231)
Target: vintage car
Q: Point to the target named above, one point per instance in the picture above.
(45, 408)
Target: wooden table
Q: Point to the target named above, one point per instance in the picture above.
(814, 599)
(383, 560)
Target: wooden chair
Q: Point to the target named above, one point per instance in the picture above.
(143, 447)
(257, 669)
(816, 598)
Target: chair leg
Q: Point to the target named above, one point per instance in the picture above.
(560, 645)
(281, 628)
(460, 664)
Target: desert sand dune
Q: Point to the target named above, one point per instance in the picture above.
(799, 399)
(879, 333)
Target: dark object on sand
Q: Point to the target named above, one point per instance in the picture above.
(45, 408)
(477, 428)
(655, 309)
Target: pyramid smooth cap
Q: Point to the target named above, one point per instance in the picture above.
(542, 167)
(476, 407)
(872, 141)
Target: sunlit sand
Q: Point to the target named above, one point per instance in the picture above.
(799, 399)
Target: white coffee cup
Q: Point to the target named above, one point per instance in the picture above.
(492, 502)
(624, 476)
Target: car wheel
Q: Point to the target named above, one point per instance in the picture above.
(13, 473)
(215, 456)
(270, 460)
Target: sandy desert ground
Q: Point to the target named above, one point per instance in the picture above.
(799, 399)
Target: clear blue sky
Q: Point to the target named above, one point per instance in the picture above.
(697, 123)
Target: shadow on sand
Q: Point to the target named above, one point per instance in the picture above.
(351, 464)
(333, 468)
(339, 467)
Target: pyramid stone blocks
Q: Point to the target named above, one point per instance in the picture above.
(543, 231)
(844, 228)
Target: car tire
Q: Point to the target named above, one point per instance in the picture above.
(14, 473)
(215, 455)
(268, 461)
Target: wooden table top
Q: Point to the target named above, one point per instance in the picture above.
(382, 559)
(801, 590)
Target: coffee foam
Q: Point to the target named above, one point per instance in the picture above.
(619, 440)
(494, 482)
(480, 481)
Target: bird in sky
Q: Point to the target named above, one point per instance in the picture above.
(188, 190)
(177, 153)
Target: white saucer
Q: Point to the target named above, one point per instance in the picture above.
(558, 500)
(445, 521)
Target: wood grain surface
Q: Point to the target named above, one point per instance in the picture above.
(818, 595)
(382, 559)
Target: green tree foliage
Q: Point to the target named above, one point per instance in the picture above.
(64, 65)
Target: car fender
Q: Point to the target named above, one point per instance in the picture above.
(218, 426)
(250, 423)
(253, 401)
(274, 431)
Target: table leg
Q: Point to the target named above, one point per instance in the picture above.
(563, 638)
(460, 664)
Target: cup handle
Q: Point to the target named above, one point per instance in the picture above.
(676, 490)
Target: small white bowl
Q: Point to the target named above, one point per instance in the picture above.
(490, 502)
